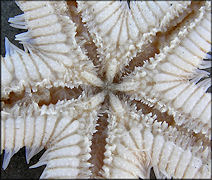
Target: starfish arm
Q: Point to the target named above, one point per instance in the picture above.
(28, 125)
(177, 88)
(120, 32)
(60, 128)
(22, 70)
(68, 150)
(52, 56)
(168, 84)
(24, 126)
(50, 29)
(110, 89)
(137, 142)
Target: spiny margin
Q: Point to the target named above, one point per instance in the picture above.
(138, 142)
(165, 78)
(120, 32)
(64, 129)
(43, 63)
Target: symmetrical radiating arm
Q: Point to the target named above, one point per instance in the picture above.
(171, 77)
(64, 129)
(137, 142)
(119, 32)
(52, 56)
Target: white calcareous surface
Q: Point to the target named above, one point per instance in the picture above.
(55, 92)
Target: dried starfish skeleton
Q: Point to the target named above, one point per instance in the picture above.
(133, 68)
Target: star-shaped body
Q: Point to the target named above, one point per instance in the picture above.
(110, 89)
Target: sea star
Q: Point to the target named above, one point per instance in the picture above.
(109, 89)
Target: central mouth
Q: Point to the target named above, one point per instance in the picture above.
(109, 88)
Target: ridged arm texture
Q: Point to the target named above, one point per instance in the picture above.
(110, 89)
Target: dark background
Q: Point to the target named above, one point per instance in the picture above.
(17, 168)
(9, 9)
